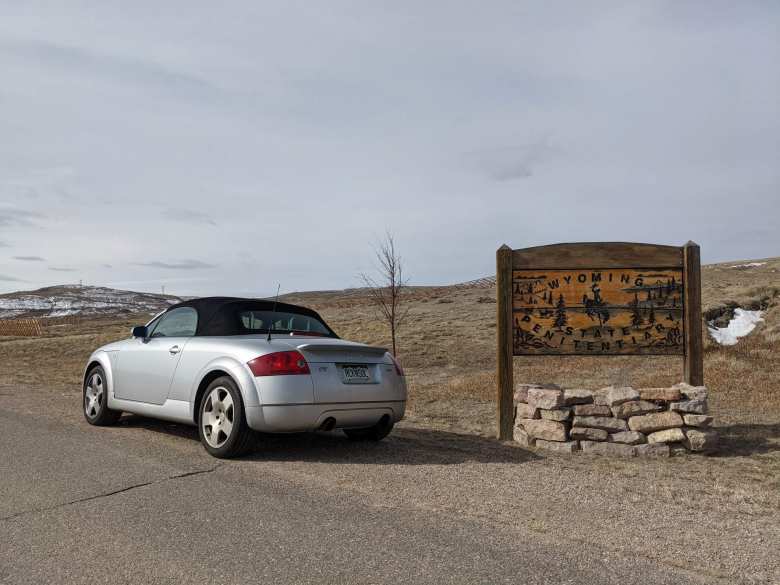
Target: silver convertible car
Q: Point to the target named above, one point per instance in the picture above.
(232, 366)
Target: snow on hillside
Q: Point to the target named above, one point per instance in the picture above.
(59, 301)
(743, 323)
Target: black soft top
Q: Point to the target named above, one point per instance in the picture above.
(220, 315)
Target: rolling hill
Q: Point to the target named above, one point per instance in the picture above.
(64, 300)
(448, 345)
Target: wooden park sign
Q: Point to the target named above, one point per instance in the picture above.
(600, 298)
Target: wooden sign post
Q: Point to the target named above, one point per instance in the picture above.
(599, 298)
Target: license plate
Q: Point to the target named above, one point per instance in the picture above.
(356, 374)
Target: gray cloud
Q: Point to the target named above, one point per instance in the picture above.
(6, 278)
(106, 265)
(127, 70)
(507, 164)
(4, 244)
(62, 269)
(18, 217)
(30, 258)
(180, 265)
(130, 138)
(188, 215)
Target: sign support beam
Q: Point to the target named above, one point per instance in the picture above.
(504, 378)
(694, 344)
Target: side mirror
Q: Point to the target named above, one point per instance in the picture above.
(140, 331)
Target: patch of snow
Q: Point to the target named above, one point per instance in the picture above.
(10, 314)
(74, 299)
(63, 313)
(748, 265)
(743, 323)
(29, 303)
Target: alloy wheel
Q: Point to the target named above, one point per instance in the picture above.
(218, 416)
(94, 396)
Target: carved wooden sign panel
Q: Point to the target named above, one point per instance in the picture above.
(611, 311)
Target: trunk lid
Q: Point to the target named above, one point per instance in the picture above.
(326, 350)
(344, 371)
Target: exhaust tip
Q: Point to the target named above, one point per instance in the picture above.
(328, 424)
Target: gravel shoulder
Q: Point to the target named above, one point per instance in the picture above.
(142, 502)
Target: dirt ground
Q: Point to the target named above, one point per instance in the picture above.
(448, 350)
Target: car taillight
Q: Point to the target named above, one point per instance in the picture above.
(281, 363)
(398, 369)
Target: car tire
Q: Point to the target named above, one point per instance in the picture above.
(94, 399)
(376, 433)
(222, 425)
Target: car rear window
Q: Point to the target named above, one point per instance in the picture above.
(258, 321)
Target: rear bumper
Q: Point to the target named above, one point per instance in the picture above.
(291, 418)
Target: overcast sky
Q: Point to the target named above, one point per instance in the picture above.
(220, 148)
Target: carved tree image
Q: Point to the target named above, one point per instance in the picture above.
(636, 314)
(560, 313)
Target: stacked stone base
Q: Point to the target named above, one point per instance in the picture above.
(612, 421)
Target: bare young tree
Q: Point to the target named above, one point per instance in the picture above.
(386, 291)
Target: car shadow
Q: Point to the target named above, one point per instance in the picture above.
(405, 446)
(743, 440)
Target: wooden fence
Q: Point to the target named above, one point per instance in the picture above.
(21, 327)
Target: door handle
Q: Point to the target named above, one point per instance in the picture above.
(174, 350)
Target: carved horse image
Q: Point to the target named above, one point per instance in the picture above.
(596, 307)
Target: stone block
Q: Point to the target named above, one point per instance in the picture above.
(521, 437)
(628, 438)
(609, 424)
(617, 396)
(656, 421)
(634, 408)
(675, 449)
(697, 420)
(547, 430)
(611, 449)
(566, 447)
(587, 434)
(523, 410)
(666, 436)
(574, 396)
(699, 440)
(547, 398)
(592, 410)
(692, 392)
(521, 392)
(696, 406)
(559, 414)
(652, 450)
(660, 394)
(600, 395)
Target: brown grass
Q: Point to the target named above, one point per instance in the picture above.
(57, 358)
(448, 346)
(448, 350)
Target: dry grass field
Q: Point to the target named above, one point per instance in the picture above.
(448, 349)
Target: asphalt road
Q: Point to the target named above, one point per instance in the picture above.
(144, 503)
